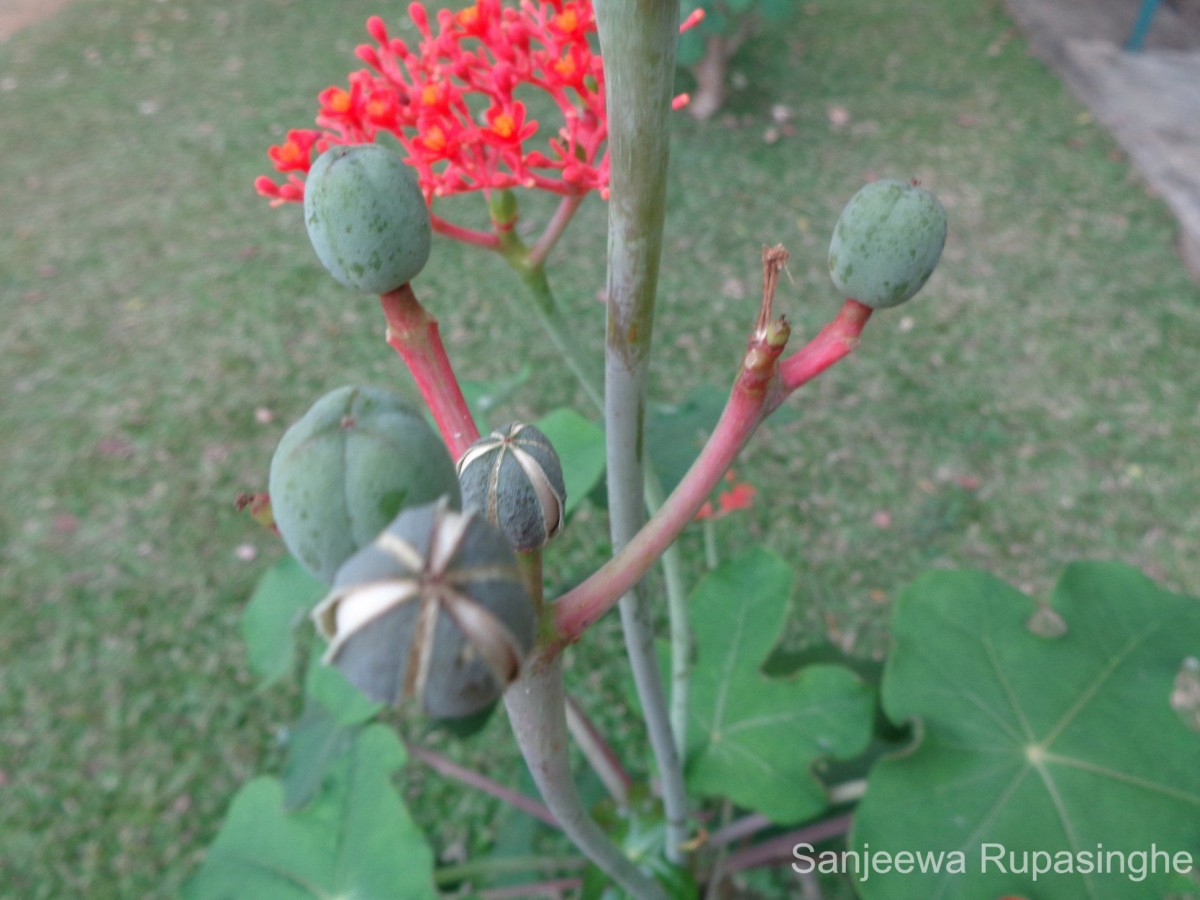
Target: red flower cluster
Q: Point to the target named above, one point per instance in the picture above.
(450, 102)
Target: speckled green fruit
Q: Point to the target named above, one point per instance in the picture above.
(887, 243)
(366, 217)
(357, 458)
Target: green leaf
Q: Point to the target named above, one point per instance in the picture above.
(1035, 744)
(314, 743)
(675, 433)
(691, 47)
(640, 830)
(483, 396)
(356, 839)
(335, 712)
(580, 447)
(752, 738)
(329, 687)
(776, 10)
(280, 602)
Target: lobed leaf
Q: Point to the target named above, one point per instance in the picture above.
(356, 839)
(752, 738)
(280, 602)
(579, 443)
(1060, 743)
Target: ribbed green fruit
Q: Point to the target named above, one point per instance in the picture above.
(366, 217)
(514, 478)
(433, 608)
(887, 243)
(341, 473)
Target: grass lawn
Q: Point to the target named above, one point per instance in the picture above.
(1039, 402)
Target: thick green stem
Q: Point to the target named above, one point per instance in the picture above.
(637, 39)
(536, 710)
(558, 329)
(677, 618)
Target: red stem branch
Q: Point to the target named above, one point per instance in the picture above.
(835, 340)
(413, 333)
(761, 386)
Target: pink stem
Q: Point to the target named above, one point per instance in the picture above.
(556, 888)
(554, 229)
(742, 828)
(781, 848)
(471, 778)
(760, 387)
(413, 333)
(484, 239)
(836, 340)
(597, 751)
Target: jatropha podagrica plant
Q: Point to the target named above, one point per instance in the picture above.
(436, 591)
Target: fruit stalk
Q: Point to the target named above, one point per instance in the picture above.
(413, 333)
(836, 340)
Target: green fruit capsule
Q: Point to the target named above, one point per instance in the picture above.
(887, 243)
(366, 217)
(341, 473)
(434, 608)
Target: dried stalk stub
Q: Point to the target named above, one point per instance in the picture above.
(513, 477)
(342, 472)
(433, 608)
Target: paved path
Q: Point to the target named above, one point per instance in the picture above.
(18, 14)
(1150, 100)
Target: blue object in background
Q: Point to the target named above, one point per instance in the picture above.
(1138, 36)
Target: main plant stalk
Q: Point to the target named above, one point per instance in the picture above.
(637, 39)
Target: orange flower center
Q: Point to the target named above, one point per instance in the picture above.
(469, 16)
(434, 139)
(377, 108)
(290, 154)
(339, 101)
(566, 67)
(567, 21)
(504, 125)
(429, 95)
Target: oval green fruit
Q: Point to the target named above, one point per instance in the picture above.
(887, 243)
(341, 473)
(366, 217)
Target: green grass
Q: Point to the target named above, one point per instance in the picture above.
(152, 304)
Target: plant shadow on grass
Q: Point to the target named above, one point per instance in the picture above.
(163, 325)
